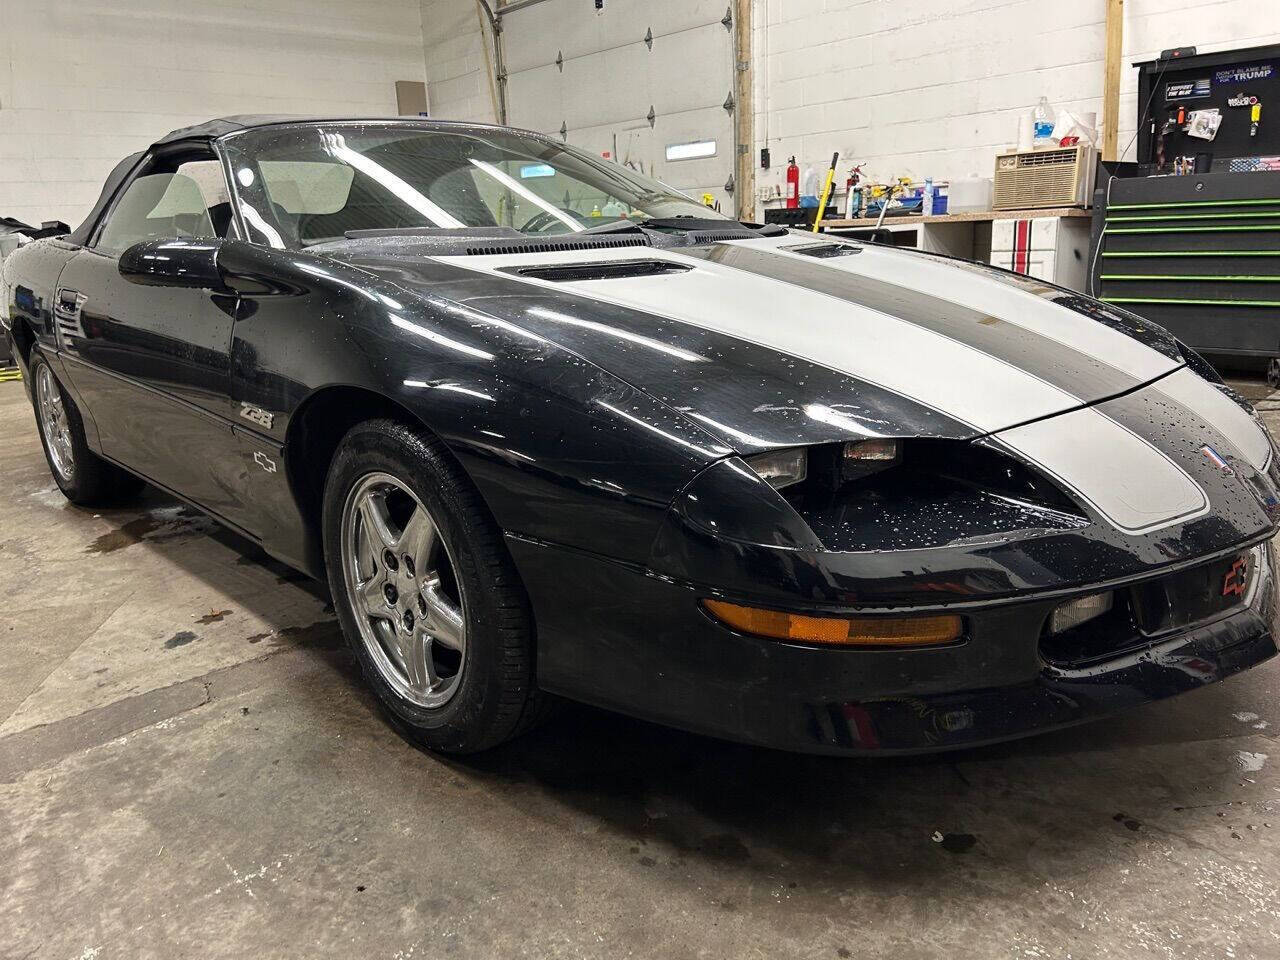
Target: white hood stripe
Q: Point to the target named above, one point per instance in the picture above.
(1085, 377)
(1227, 417)
(972, 290)
(923, 365)
(1122, 476)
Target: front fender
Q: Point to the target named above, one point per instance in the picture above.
(560, 449)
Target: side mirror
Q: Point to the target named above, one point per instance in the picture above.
(174, 262)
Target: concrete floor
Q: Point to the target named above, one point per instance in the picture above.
(191, 767)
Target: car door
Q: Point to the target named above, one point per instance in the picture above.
(152, 363)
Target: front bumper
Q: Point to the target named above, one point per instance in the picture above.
(631, 641)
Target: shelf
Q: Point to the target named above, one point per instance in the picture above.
(962, 216)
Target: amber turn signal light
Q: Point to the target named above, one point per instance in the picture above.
(837, 631)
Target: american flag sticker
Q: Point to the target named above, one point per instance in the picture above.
(1214, 457)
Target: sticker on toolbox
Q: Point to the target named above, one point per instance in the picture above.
(1187, 89)
(1255, 71)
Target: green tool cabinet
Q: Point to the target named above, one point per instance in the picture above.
(1199, 255)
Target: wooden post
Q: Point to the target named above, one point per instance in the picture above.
(1111, 78)
(744, 167)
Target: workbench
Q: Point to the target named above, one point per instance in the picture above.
(1051, 244)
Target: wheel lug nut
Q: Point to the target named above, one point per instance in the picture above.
(408, 619)
(389, 591)
(390, 560)
(408, 564)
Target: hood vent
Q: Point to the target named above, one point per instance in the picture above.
(615, 270)
(823, 251)
(553, 245)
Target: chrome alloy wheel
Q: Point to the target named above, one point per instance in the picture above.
(401, 578)
(53, 424)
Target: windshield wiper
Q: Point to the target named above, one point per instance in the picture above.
(432, 232)
(613, 226)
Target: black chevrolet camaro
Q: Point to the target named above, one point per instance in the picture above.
(546, 425)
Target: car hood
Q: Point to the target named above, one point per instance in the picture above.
(775, 342)
(790, 340)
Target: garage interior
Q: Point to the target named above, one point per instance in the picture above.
(190, 764)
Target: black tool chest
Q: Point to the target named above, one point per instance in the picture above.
(1189, 236)
(1199, 255)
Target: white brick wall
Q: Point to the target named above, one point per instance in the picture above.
(458, 85)
(918, 87)
(85, 82)
(935, 87)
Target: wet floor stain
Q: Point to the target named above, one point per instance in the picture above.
(156, 526)
(1131, 823)
(323, 634)
(179, 639)
(213, 616)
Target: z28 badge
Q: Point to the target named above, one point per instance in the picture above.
(256, 415)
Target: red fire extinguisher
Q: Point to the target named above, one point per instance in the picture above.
(793, 185)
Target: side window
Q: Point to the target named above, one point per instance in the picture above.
(190, 202)
(213, 187)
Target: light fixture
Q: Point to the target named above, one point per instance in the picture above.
(838, 631)
(864, 457)
(1072, 613)
(696, 150)
(781, 468)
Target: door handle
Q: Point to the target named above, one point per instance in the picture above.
(69, 303)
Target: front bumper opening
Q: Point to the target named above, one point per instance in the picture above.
(1145, 612)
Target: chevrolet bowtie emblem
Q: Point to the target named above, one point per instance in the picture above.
(1237, 578)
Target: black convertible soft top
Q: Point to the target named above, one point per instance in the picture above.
(221, 127)
(80, 235)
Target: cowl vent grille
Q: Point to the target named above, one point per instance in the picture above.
(552, 245)
(695, 237)
(616, 270)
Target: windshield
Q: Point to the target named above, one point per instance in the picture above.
(303, 185)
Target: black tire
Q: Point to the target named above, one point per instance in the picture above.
(91, 480)
(496, 696)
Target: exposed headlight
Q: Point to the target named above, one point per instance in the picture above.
(869, 456)
(1078, 611)
(781, 468)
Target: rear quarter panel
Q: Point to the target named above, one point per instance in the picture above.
(30, 286)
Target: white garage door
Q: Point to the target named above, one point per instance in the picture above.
(593, 76)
